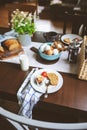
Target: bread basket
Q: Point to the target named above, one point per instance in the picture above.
(82, 70)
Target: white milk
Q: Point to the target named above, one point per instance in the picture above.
(24, 62)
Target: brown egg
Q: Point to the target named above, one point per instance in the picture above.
(49, 52)
(51, 47)
(59, 46)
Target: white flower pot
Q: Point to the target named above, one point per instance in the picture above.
(24, 39)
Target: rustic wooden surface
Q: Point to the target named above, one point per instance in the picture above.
(72, 97)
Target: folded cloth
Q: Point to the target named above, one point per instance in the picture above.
(8, 35)
(27, 98)
(11, 33)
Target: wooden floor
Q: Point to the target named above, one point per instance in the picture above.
(44, 23)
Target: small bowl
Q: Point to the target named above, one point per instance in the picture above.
(48, 57)
(50, 36)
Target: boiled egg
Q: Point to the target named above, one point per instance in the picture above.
(42, 48)
(55, 51)
(49, 52)
(59, 46)
(47, 47)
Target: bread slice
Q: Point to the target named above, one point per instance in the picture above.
(67, 40)
(1, 49)
(53, 78)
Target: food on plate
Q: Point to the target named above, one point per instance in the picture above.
(39, 79)
(44, 74)
(47, 78)
(67, 40)
(53, 78)
(1, 49)
(11, 44)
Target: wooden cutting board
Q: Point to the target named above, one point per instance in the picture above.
(9, 54)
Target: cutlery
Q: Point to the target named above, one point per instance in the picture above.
(46, 92)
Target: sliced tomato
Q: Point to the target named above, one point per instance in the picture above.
(44, 74)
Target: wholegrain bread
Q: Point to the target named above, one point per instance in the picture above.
(53, 78)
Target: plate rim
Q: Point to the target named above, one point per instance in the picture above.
(58, 86)
(71, 35)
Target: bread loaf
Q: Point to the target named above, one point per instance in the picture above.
(11, 44)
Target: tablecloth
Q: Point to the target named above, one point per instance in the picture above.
(62, 65)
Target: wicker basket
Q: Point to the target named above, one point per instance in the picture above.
(82, 73)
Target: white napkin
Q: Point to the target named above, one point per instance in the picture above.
(27, 98)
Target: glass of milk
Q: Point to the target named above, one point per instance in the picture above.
(24, 62)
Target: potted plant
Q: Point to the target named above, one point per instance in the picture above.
(23, 23)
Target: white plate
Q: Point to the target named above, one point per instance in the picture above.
(42, 89)
(71, 37)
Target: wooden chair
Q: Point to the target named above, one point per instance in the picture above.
(4, 29)
(22, 123)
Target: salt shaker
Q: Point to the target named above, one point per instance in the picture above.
(24, 62)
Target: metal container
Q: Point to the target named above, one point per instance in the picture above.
(73, 52)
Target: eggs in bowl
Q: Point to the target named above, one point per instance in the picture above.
(48, 51)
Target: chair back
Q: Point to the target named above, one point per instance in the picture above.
(22, 123)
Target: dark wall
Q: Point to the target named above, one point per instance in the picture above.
(44, 2)
(82, 3)
(70, 1)
(5, 1)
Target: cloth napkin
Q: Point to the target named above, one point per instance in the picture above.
(27, 98)
(8, 35)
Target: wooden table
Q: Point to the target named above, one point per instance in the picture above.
(70, 100)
